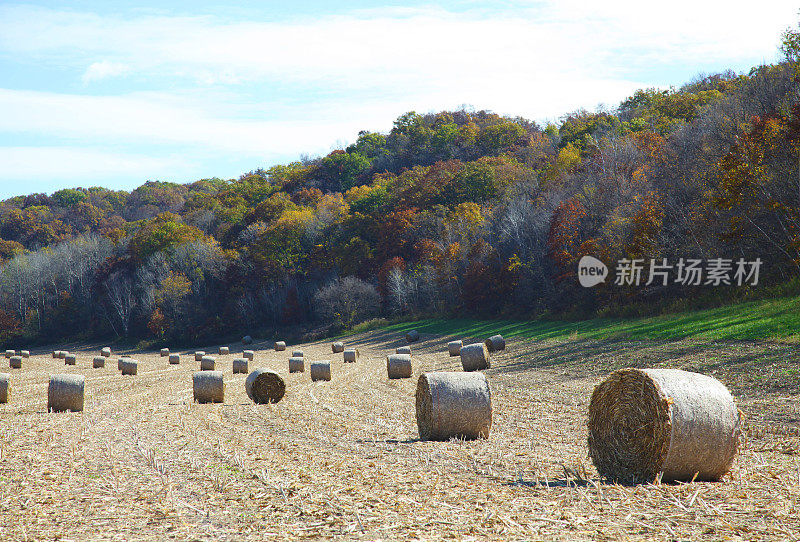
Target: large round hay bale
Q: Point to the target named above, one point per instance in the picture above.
(454, 347)
(164, 352)
(98, 362)
(403, 350)
(297, 353)
(65, 392)
(412, 336)
(15, 362)
(208, 363)
(208, 387)
(398, 365)
(475, 357)
(70, 359)
(199, 355)
(174, 359)
(453, 405)
(240, 365)
(61, 354)
(248, 354)
(105, 352)
(247, 339)
(224, 350)
(129, 366)
(643, 422)
(337, 347)
(350, 355)
(10, 353)
(495, 343)
(5, 387)
(297, 365)
(25, 353)
(320, 370)
(264, 386)
(280, 346)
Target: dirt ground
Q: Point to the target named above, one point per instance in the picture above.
(342, 459)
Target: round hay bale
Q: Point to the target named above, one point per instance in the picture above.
(320, 370)
(248, 354)
(453, 405)
(224, 350)
(25, 353)
(5, 387)
(106, 352)
(495, 343)
(337, 347)
(70, 359)
(15, 362)
(119, 363)
(643, 422)
(164, 352)
(412, 336)
(55, 354)
(403, 350)
(199, 355)
(475, 357)
(454, 347)
(280, 346)
(129, 366)
(61, 354)
(65, 392)
(247, 339)
(398, 365)
(264, 386)
(174, 359)
(10, 354)
(350, 355)
(207, 363)
(297, 365)
(240, 365)
(208, 387)
(297, 353)
(98, 362)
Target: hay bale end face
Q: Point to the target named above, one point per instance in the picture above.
(475, 357)
(5, 387)
(280, 346)
(350, 355)
(454, 348)
(264, 386)
(174, 359)
(495, 343)
(643, 422)
(199, 355)
(25, 354)
(320, 370)
(248, 354)
(208, 363)
(453, 405)
(106, 352)
(297, 365)
(65, 392)
(164, 352)
(337, 347)
(15, 362)
(297, 353)
(10, 353)
(70, 359)
(224, 350)
(247, 339)
(412, 336)
(240, 365)
(403, 350)
(129, 366)
(398, 366)
(208, 387)
(98, 362)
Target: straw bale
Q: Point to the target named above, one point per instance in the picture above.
(224, 350)
(208, 387)
(174, 359)
(10, 353)
(105, 351)
(199, 355)
(297, 353)
(129, 366)
(98, 362)
(454, 347)
(25, 353)
(65, 392)
(264, 386)
(208, 363)
(475, 357)
(280, 346)
(403, 350)
(320, 370)
(412, 336)
(247, 339)
(337, 347)
(495, 343)
(5, 387)
(248, 354)
(164, 352)
(70, 359)
(398, 365)
(240, 365)
(350, 355)
(453, 405)
(15, 362)
(297, 365)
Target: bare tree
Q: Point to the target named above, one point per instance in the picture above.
(348, 301)
(120, 301)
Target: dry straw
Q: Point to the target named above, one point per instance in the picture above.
(106, 352)
(403, 350)
(495, 343)
(454, 347)
(25, 353)
(412, 336)
(65, 392)
(10, 353)
(129, 366)
(15, 362)
(5, 387)
(297, 353)
(174, 359)
(643, 422)
(337, 347)
(208, 387)
(475, 357)
(98, 362)
(350, 355)
(280, 346)
(247, 339)
(70, 359)
(264, 386)
(320, 370)
(297, 365)
(248, 354)
(199, 355)
(453, 405)
(398, 365)
(224, 350)
(164, 352)
(240, 365)
(207, 363)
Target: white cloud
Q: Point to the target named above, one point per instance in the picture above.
(101, 70)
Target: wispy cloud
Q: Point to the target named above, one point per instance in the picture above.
(103, 69)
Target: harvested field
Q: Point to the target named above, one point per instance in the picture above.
(342, 459)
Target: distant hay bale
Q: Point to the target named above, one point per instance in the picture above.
(25, 353)
(5, 387)
(454, 347)
(164, 352)
(98, 362)
(475, 357)
(350, 355)
(403, 350)
(264, 386)
(207, 363)
(247, 339)
(15, 362)
(65, 392)
(61, 354)
(119, 363)
(398, 365)
(337, 347)
(297, 365)
(10, 353)
(280, 346)
(495, 343)
(320, 370)
(643, 422)
(224, 350)
(129, 366)
(297, 353)
(453, 405)
(248, 354)
(208, 387)
(174, 359)
(70, 359)
(199, 355)
(412, 336)
(55, 354)
(240, 365)
(106, 352)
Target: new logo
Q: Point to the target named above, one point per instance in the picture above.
(591, 271)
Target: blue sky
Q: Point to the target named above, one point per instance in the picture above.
(105, 94)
